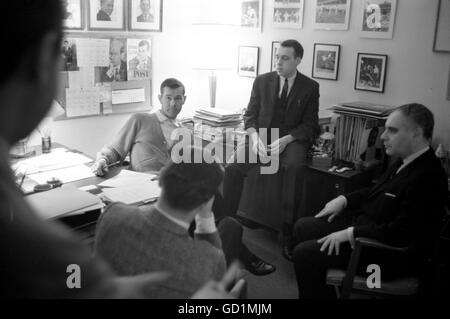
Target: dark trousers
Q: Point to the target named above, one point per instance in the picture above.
(311, 264)
(292, 163)
(230, 232)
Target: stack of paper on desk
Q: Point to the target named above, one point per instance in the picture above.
(131, 188)
(63, 201)
(57, 159)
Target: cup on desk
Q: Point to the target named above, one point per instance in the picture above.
(46, 144)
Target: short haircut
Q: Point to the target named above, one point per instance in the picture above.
(32, 20)
(144, 42)
(186, 186)
(298, 49)
(421, 116)
(171, 83)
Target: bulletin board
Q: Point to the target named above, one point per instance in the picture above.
(104, 74)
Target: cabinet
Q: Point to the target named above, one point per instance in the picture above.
(320, 186)
(260, 201)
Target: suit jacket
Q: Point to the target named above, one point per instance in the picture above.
(142, 18)
(122, 73)
(137, 240)
(405, 210)
(301, 118)
(103, 16)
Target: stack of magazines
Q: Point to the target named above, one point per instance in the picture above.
(212, 123)
(218, 117)
(364, 109)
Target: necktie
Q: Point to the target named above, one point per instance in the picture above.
(283, 96)
(395, 167)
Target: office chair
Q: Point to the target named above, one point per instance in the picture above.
(347, 282)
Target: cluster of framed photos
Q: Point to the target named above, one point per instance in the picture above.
(370, 67)
(138, 15)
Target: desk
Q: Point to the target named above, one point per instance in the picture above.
(82, 223)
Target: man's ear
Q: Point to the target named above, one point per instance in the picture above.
(160, 98)
(184, 98)
(47, 59)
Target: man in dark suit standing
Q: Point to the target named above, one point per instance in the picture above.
(106, 9)
(282, 122)
(403, 209)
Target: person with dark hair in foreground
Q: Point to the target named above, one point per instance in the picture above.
(137, 240)
(404, 209)
(36, 254)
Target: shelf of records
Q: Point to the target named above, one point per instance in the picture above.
(356, 138)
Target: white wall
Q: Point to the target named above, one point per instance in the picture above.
(414, 72)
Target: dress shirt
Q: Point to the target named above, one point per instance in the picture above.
(290, 84)
(167, 127)
(202, 225)
(411, 158)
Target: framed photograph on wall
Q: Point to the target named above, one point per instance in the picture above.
(377, 18)
(73, 14)
(331, 14)
(251, 14)
(275, 46)
(326, 61)
(442, 33)
(371, 72)
(287, 14)
(248, 61)
(106, 15)
(145, 15)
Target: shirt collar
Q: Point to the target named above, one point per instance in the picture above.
(290, 79)
(413, 156)
(177, 221)
(162, 118)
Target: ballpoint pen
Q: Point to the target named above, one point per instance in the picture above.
(23, 178)
(113, 164)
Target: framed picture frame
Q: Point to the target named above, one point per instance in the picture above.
(275, 46)
(442, 32)
(377, 18)
(326, 61)
(106, 14)
(145, 15)
(251, 14)
(332, 15)
(248, 61)
(73, 14)
(371, 72)
(287, 14)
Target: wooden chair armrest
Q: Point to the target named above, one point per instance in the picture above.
(369, 242)
(361, 242)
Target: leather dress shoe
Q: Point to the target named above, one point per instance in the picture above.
(287, 252)
(259, 267)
